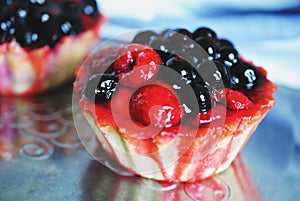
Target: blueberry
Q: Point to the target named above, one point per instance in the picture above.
(145, 37)
(214, 74)
(206, 33)
(184, 68)
(7, 30)
(224, 73)
(245, 77)
(100, 87)
(203, 97)
(208, 45)
(37, 2)
(184, 32)
(225, 42)
(177, 42)
(6, 7)
(228, 55)
(159, 45)
(90, 8)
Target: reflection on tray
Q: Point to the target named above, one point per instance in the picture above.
(34, 126)
(100, 183)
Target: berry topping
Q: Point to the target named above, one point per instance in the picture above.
(137, 64)
(155, 105)
(35, 24)
(204, 74)
(100, 87)
(244, 76)
(237, 100)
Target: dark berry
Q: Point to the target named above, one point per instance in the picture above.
(71, 23)
(7, 30)
(214, 74)
(208, 45)
(6, 7)
(184, 68)
(184, 32)
(159, 45)
(224, 72)
(89, 8)
(145, 37)
(245, 76)
(206, 33)
(100, 87)
(178, 43)
(6, 20)
(203, 97)
(225, 42)
(228, 55)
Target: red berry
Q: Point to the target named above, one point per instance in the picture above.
(136, 65)
(121, 101)
(236, 100)
(155, 105)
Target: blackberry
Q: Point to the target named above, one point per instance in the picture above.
(100, 87)
(245, 77)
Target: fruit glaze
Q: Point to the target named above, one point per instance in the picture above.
(42, 41)
(173, 105)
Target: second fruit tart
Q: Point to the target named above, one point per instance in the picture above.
(173, 106)
(41, 42)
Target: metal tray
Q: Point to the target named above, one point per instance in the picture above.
(41, 158)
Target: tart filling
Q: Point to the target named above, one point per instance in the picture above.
(175, 105)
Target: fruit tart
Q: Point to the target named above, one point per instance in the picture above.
(41, 42)
(172, 105)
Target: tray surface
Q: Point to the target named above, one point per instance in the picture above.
(41, 158)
